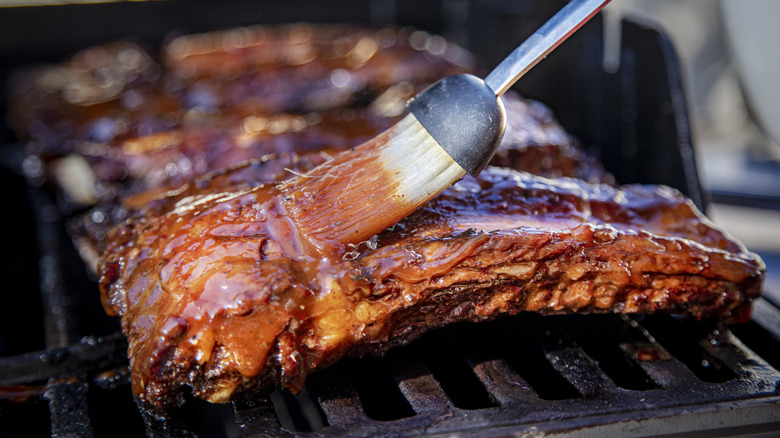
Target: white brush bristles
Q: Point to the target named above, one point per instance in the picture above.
(361, 192)
(417, 162)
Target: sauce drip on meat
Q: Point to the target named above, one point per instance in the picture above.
(218, 292)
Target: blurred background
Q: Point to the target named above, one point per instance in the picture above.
(730, 59)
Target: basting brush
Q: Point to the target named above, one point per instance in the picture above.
(452, 128)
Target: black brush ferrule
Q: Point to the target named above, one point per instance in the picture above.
(465, 117)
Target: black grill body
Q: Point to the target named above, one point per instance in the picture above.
(63, 364)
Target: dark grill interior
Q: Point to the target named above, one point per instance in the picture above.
(63, 368)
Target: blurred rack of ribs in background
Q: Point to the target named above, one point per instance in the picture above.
(113, 126)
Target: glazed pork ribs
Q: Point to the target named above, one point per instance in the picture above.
(534, 142)
(217, 292)
(128, 119)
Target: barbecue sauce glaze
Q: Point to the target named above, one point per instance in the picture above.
(217, 291)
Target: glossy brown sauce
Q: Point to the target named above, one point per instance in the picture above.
(224, 257)
(219, 281)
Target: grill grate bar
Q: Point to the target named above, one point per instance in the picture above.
(520, 408)
(503, 384)
(581, 371)
(659, 365)
(338, 398)
(724, 349)
(93, 355)
(68, 407)
(452, 367)
(56, 312)
(170, 424)
(258, 418)
(682, 337)
(296, 412)
(600, 339)
(422, 390)
(739, 358)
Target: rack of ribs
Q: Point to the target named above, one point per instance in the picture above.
(217, 292)
(208, 101)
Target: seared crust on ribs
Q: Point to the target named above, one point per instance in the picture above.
(534, 142)
(217, 292)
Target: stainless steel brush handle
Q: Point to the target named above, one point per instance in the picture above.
(465, 115)
(542, 42)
